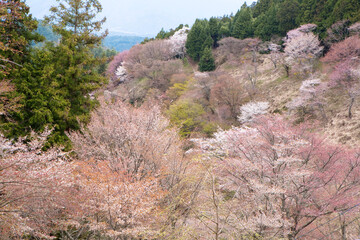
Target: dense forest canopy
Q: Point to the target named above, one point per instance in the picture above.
(268, 19)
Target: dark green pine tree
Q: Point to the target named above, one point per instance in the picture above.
(214, 28)
(161, 34)
(261, 7)
(242, 27)
(198, 39)
(346, 9)
(56, 85)
(76, 69)
(208, 43)
(44, 103)
(224, 27)
(17, 33)
(266, 25)
(307, 11)
(207, 62)
(287, 14)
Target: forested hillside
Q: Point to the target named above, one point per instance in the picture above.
(244, 126)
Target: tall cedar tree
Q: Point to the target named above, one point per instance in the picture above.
(16, 33)
(267, 24)
(198, 39)
(57, 84)
(214, 27)
(74, 21)
(207, 62)
(242, 27)
(288, 11)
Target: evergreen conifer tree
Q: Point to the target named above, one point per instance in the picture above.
(287, 14)
(208, 43)
(76, 69)
(242, 27)
(207, 62)
(17, 32)
(161, 34)
(56, 84)
(267, 24)
(214, 28)
(198, 39)
(346, 9)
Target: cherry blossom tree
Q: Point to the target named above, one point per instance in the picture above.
(347, 77)
(152, 62)
(124, 166)
(251, 110)
(302, 47)
(279, 179)
(228, 92)
(354, 29)
(137, 140)
(115, 203)
(114, 65)
(178, 41)
(35, 188)
(131, 163)
(310, 98)
(276, 57)
(345, 50)
(345, 56)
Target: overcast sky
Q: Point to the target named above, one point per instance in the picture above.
(147, 17)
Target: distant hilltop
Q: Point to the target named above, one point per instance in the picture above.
(121, 42)
(115, 40)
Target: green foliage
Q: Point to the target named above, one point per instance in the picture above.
(106, 55)
(267, 24)
(187, 116)
(224, 31)
(161, 34)
(209, 129)
(55, 84)
(261, 7)
(17, 32)
(198, 39)
(209, 42)
(207, 61)
(267, 18)
(286, 15)
(214, 28)
(346, 9)
(165, 34)
(242, 23)
(177, 90)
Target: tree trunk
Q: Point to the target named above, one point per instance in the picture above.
(352, 100)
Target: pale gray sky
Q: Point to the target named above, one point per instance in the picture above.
(147, 17)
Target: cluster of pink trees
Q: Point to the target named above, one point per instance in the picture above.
(227, 92)
(115, 63)
(124, 165)
(277, 181)
(154, 63)
(345, 58)
(35, 189)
